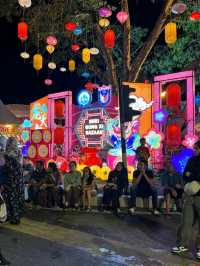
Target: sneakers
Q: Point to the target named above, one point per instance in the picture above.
(178, 250)
(132, 210)
(156, 212)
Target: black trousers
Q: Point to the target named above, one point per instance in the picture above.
(111, 195)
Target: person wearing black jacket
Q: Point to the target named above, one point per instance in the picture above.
(191, 208)
(117, 184)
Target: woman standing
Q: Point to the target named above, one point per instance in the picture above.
(88, 185)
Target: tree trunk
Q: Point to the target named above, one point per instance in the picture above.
(151, 40)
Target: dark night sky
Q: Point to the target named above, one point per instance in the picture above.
(19, 81)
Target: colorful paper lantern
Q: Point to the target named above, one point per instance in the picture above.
(75, 47)
(48, 82)
(94, 51)
(70, 26)
(50, 48)
(179, 8)
(86, 55)
(22, 31)
(37, 62)
(85, 75)
(77, 31)
(71, 65)
(170, 33)
(105, 12)
(173, 97)
(109, 39)
(59, 109)
(195, 15)
(104, 22)
(59, 135)
(122, 16)
(63, 69)
(173, 133)
(51, 40)
(25, 3)
(52, 65)
(25, 55)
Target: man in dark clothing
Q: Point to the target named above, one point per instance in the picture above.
(191, 208)
(143, 186)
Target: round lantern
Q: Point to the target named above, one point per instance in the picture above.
(43, 151)
(122, 16)
(77, 31)
(25, 55)
(59, 136)
(104, 22)
(59, 109)
(105, 12)
(195, 15)
(25, 3)
(36, 136)
(179, 8)
(47, 136)
(32, 152)
(89, 86)
(51, 40)
(71, 65)
(86, 55)
(109, 39)
(48, 82)
(37, 61)
(22, 31)
(63, 69)
(52, 65)
(94, 51)
(50, 48)
(170, 33)
(70, 26)
(85, 75)
(173, 97)
(173, 132)
(75, 47)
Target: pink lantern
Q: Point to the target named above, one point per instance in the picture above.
(189, 141)
(48, 82)
(51, 40)
(179, 8)
(105, 12)
(122, 16)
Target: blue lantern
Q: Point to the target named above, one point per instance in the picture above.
(197, 100)
(84, 98)
(85, 75)
(77, 31)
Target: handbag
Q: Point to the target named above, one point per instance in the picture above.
(192, 188)
(3, 210)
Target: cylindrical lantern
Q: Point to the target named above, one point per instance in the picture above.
(173, 97)
(59, 135)
(109, 39)
(37, 61)
(59, 109)
(22, 31)
(173, 133)
(170, 33)
(71, 65)
(86, 55)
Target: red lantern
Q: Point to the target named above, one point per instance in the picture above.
(195, 15)
(59, 109)
(89, 86)
(109, 39)
(174, 96)
(59, 135)
(70, 26)
(22, 31)
(75, 47)
(173, 135)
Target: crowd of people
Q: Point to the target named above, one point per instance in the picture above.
(48, 187)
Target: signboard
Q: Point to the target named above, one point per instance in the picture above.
(39, 113)
(91, 127)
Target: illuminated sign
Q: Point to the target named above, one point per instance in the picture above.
(39, 113)
(90, 128)
(104, 94)
(84, 98)
(140, 104)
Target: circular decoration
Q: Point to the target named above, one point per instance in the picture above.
(105, 12)
(25, 3)
(160, 116)
(47, 136)
(32, 152)
(24, 55)
(43, 151)
(84, 98)
(77, 31)
(195, 15)
(104, 22)
(48, 82)
(85, 75)
(75, 47)
(52, 65)
(63, 69)
(122, 16)
(36, 136)
(178, 8)
(70, 26)
(50, 48)
(94, 51)
(51, 40)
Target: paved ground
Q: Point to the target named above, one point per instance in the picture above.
(56, 238)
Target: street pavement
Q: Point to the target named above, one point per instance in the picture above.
(63, 238)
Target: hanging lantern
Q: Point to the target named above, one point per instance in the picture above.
(50, 48)
(25, 55)
(173, 133)
(195, 15)
(23, 31)
(173, 98)
(109, 39)
(170, 33)
(122, 16)
(86, 55)
(85, 75)
(77, 31)
(71, 65)
(51, 40)
(25, 3)
(75, 47)
(105, 12)
(52, 65)
(94, 51)
(59, 109)
(104, 22)
(179, 8)
(70, 26)
(37, 62)
(89, 86)
(63, 69)
(48, 82)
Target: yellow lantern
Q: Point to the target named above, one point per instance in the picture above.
(37, 61)
(71, 65)
(104, 22)
(50, 48)
(170, 33)
(86, 55)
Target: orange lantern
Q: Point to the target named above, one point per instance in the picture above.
(59, 109)
(71, 65)
(37, 61)
(170, 33)
(109, 39)
(22, 31)
(59, 135)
